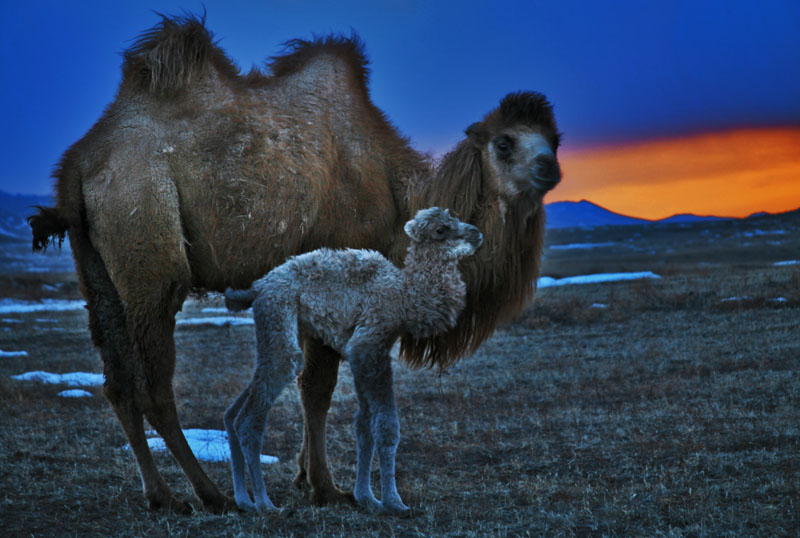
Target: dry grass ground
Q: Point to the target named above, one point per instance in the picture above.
(671, 411)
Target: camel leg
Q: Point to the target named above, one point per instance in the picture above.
(151, 274)
(372, 374)
(109, 332)
(152, 330)
(316, 383)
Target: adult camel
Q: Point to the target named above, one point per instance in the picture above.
(199, 177)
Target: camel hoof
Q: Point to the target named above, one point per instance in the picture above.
(220, 505)
(301, 480)
(170, 504)
(334, 496)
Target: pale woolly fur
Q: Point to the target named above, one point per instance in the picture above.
(358, 303)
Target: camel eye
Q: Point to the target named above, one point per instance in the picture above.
(503, 146)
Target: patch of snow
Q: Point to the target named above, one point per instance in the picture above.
(214, 310)
(207, 445)
(13, 353)
(72, 379)
(75, 393)
(786, 262)
(11, 320)
(222, 321)
(10, 306)
(546, 281)
(729, 299)
(598, 305)
(779, 300)
(575, 246)
(758, 232)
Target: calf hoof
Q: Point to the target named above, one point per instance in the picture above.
(400, 510)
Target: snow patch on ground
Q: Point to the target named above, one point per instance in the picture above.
(787, 262)
(207, 445)
(72, 379)
(547, 282)
(13, 353)
(10, 306)
(75, 393)
(757, 232)
(577, 246)
(222, 321)
(730, 299)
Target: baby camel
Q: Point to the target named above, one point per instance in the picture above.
(357, 303)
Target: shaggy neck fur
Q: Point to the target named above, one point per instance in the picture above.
(501, 276)
(434, 292)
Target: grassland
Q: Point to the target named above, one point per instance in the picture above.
(667, 407)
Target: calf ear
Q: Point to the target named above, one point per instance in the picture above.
(411, 230)
(477, 134)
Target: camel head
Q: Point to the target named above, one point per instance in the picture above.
(518, 142)
(443, 231)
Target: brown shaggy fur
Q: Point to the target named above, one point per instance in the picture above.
(197, 176)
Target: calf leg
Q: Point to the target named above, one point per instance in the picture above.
(240, 494)
(316, 383)
(365, 451)
(245, 421)
(372, 375)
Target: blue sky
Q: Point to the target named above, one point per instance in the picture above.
(616, 71)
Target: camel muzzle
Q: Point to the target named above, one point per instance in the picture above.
(546, 172)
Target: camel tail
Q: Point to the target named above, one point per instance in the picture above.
(170, 55)
(48, 227)
(238, 300)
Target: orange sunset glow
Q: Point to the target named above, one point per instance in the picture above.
(732, 173)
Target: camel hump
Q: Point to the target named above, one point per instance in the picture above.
(48, 226)
(299, 52)
(167, 57)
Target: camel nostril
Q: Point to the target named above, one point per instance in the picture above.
(546, 168)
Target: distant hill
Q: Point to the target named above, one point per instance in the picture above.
(13, 210)
(689, 218)
(585, 214)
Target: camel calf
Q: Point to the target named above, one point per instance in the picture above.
(358, 303)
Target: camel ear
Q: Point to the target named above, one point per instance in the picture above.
(411, 230)
(477, 134)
